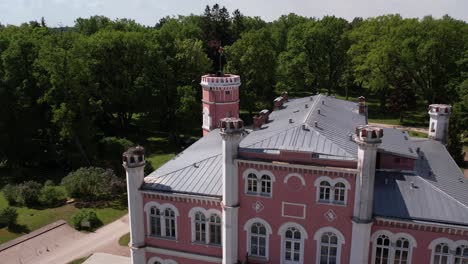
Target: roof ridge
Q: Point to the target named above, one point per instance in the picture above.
(166, 174)
(312, 109)
(442, 192)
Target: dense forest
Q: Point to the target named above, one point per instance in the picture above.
(67, 92)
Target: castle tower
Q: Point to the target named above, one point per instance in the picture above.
(368, 139)
(231, 132)
(439, 121)
(134, 164)
(220, 99)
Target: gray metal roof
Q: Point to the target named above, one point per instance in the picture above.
(407, 196)
(435, 192)
(398, 142)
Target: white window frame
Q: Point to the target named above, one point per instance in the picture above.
(392, 247)
(162, 208)
(453, 245)
(282, 232)
(269, 231)
(206, 118)
(162, 261)
(318, 237)
(215, 225)
(333, 188)
(207, 213)
(259, 182)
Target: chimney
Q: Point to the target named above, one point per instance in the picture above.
(265, 115)
(278, 103)
(134, 164)
(257, 122)
(231, 133)
(362, 105)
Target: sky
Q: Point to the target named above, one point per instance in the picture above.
(148, 12)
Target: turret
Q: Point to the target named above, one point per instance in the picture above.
(439, 121)
(368, 139)
(231, 130)
(220, 99)
(134, 164)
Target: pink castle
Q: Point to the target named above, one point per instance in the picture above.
(310, 182)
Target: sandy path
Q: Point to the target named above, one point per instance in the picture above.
(64, 244)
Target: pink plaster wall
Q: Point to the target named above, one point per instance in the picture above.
(315, 212)
(220, 95)
(389, 161)
(422, 253)
(184, 232)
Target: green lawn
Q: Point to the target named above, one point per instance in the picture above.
(78, 261)
(124, 240)
(30, 219)
(417, 134)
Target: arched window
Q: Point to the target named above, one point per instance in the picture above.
(402, 248)
(461, 254)
(382, 250)
(325, 190)
(258, 240)
(328, 248)
(252, 183)
(265, 185)
(339, 192)
(158, 260)
(441, 253)
(200, 227)
(169, 217)
(155, 221)
(215, 229)
(293, 245)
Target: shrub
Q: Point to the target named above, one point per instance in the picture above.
(29, 193)
(113, 147)
(10, 192)
(52, 196)
(85, 219)
(8, 217)
(92, 184)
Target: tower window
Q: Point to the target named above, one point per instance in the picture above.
(228, 92)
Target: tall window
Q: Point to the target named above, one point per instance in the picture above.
(339, 192)
(169, 217)
(266, 185)
(215, 229)
(401, 251)
(325, 190)
(461, 255)
(252, 183)
(161, 220)
(200, 227)
(292, 245)
(155, 221)
(258, 240)
(328, 248)
(441, 254)
(382, 250)
(256, 185)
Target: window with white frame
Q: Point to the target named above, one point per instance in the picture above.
(292, 243)
(215, 229)
(332, 191)
(200, 227)
(392, 248)
(258, 233)
(328, 248)
(206, 226)
(441, 254)
(461, 255)
(206, 118)
(329, 243)
(161, 220)
(258, 240)
(258, 183)
(446, 251)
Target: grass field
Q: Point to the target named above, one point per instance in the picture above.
(30, 219)
(124, 240)
(78, 261)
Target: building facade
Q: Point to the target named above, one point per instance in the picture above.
(310, 182)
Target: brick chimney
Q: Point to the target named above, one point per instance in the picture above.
(362, 105)
(278, 103)
(257, 122)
